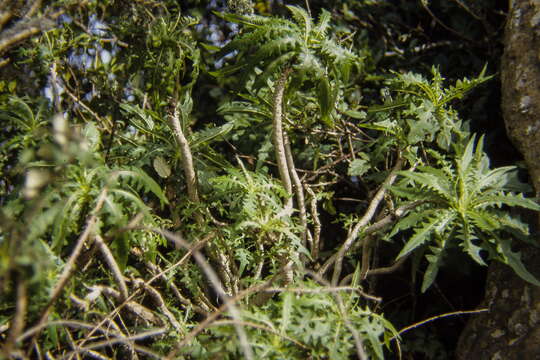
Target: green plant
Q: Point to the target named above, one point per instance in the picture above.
(463, 202)
(151, 206)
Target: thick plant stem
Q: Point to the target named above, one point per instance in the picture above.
(281, 157)
(193, 195)
(187, 158)
(316, 241)
(299, 191)
(277, 126)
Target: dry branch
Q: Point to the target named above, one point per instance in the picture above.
(277, 136)
(218, 287)
(113, 266)
(368, 216)
(70, 266)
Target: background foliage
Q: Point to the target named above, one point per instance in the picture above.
(203, 180)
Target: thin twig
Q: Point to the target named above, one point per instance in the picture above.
(156, 269)
(87, 108)
(315, 246)
(218, 287)
(298, 188)
(437, 317)
(387, 220)
(122, 340)
(160, 303)
(113, 313)
(370, 212)
(113, 266)
(64, 323)
(438, 21)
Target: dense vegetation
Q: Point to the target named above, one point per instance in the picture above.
(181, 183)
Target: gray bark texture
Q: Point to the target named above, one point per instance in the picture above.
(511, 329)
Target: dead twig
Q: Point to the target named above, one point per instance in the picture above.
(218, 287)
(113, 266)
(437, 317)
(113, 313)
(299, 190)
(160, 303)
(381, 224)
(369, 214)
(316, 243)
(122, 340)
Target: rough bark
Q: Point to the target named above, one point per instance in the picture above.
(511, 329)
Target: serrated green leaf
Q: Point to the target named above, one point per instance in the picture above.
(387, 107)
(436, 183)
(92, 134)
(301, 17)
(507, 199)
(513, 259)
(286, 310)
(432, 270)
(142, 178)
(206, 136)
(424, 231)
(358, 167)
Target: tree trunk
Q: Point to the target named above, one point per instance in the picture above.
(511, 329)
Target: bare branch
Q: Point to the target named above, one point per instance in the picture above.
(113, 266)
(387, 220)
(113, 313)
(277, 127)
(122, 340)
(218, 287)
(299, 190)
(24, 29)
(160, 303)
(316, 244)
(370, 212)
(187, 158)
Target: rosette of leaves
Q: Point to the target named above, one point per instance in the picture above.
(271, 45)
(466, 204)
